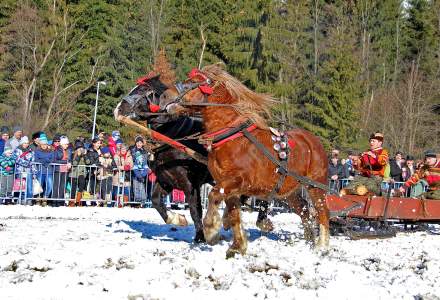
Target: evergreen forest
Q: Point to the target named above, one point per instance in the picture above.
(339, 68)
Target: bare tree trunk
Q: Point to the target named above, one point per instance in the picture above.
(315, 39)
(203, 45)
(396, 61)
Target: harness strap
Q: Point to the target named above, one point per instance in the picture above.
(216, 139)
(282, 169)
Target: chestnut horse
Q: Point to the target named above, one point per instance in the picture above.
(238, 166)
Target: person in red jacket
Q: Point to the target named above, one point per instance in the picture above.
(371, 165)
(430, 172)
(116, 135)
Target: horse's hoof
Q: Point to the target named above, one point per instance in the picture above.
(231, 252)
(211, 239)
(199, 238)
(265, 225)
(176, 219)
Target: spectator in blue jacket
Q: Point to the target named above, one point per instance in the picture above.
(4, 131)
(44, 156)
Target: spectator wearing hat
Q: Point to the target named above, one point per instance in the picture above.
(371, 164)
(7, 167)
(78, 173)
(396, 165)
(116, 135)
(63, 159)
(44, 156)
(430, 172)
(56, 141)
(36, 140)
(14, 142)
(140, 170)
(25, 168)
(105, 175)
(121, 178)
(4, 131)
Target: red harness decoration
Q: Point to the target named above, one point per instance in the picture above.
(143, 79)
(154, 108)
(211, 136)
(204, 87)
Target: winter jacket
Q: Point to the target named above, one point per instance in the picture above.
(78, 167)
(112, 146)
(335, 170)
(14, 143)
(107, 167)
(45, 158)
(140, 163)
(2, 145)
(395, 170)
(124, 165)
(92, 157)
(62, 157)
(25, 160)
(7, 164)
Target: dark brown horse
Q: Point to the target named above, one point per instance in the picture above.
(238, 166)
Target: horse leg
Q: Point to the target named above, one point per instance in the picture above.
(226, 221)
(301, 206)
(318, 199)
(239, 244)
(167, 215)
(195, 208)
(157, 203)
(263, 222)
(212, 221)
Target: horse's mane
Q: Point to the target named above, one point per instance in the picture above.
(250, 104)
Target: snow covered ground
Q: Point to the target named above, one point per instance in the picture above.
(108, 253)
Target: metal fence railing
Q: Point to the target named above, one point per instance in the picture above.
(65, 184)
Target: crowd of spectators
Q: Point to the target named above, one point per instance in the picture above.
(70, 172)
(399, 169)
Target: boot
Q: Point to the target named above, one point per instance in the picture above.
(78, 199)
(119, 201)
(72, 203)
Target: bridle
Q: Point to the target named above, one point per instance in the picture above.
(206, 87)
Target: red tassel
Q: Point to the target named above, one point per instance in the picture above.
(194, 72)
(291, 144)
(206, 89)
(144, 79)
(154, 108)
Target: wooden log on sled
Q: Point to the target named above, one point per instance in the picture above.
(163, 138)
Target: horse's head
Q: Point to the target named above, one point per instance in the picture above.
(189, 94)
(142, 102)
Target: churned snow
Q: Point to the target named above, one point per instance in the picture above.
(109, 253)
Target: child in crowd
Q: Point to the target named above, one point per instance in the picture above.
(121, 178)
(140, 170)
(7, 166)
(25, 168)
(105, 174)
(78, 173)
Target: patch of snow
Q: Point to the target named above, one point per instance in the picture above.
(109, 253)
